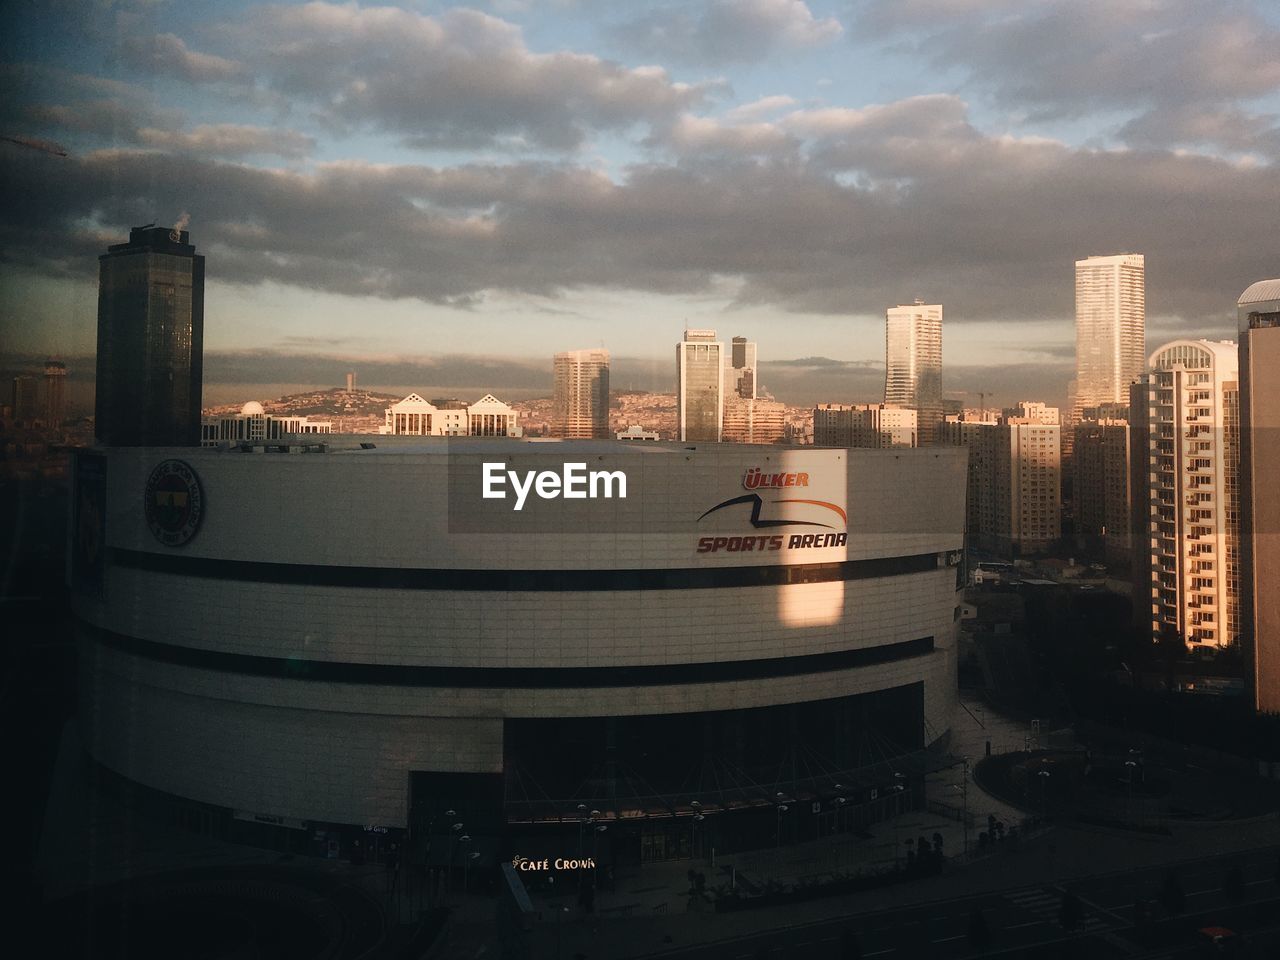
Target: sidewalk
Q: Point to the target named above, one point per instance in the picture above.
(652, 903)
(1058, 855)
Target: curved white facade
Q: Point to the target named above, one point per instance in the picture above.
(340, 619)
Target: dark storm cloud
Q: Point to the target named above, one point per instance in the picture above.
(1178, 63)
(105, 112)
(459, 80)
(1197, 125)
(907, 197)
(168, 55)
(726, 31)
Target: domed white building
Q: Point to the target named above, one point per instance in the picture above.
(347, 642)
(255, 426)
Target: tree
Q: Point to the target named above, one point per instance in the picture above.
(1170, 647)
(979, 932)
(1071, 913)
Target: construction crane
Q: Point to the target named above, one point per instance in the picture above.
(44, 146)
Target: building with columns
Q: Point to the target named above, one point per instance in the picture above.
(254, 425)
(487, 417)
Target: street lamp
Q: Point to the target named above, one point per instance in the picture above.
(964, 799)
(456, 830)
(466, 870)
(782, 808)
(1128, 803)
(1044, 790)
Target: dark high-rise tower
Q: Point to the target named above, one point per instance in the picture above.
(1258, 311)
(150, 340)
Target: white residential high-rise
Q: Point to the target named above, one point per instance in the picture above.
(1192, 406)
(913, 363)
(581, 402)
(700, 387)
(1111, 319)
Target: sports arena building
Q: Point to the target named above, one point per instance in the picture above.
(720, 644)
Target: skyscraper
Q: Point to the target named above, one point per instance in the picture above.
(581, 394)
(1111, 319)
(150, 340)
(699, 386)
(55, 392)
(913, 363)
(26, 393)
(1193, 491)
(744, 382)
(1258, 311)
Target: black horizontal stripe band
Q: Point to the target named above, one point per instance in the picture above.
(507, 678)
(538, 581)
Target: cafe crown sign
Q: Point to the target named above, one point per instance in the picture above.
(525, 865)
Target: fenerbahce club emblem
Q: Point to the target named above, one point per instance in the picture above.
(174, 503)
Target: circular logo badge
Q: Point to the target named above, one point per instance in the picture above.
(174, 503)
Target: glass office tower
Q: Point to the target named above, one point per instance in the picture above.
(700, 386)
(150, 340)
(581, 398)
(913, 364)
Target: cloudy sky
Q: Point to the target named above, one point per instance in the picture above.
(426, 184)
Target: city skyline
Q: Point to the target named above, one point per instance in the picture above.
(377, 586)
(602, 158)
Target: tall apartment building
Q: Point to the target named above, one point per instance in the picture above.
(150, 340)
(743, 381)
(254, 425)
(1014, 503)
(699, 387)
(1101, 483)
(1192, 490)
(864, 425)
(1258, 313)
(753, 420)
(55, 392)
(1111, 320)
(581, 395)
(913, 363)
(487, 417)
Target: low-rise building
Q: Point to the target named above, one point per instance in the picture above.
(254, 425)
(864, 425)
(487, 417)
